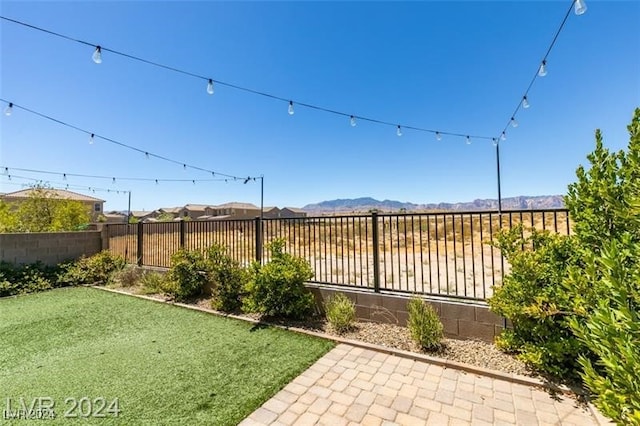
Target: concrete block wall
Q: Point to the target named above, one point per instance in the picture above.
(48, 248)
(462, 320)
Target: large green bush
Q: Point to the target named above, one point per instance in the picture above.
(187, 277)
(533, 297)
(277, 288)
(96, 269)
(575, 301)
(30, 278)
(226, 278)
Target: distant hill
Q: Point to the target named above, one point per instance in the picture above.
(367, 203)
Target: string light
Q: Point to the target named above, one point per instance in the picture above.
(9, 109)
(525, 102)
(156, 181)
(352, 121)
(503, 136)
(99, 49)
(495, 141)
(91, 138)
(514, 123)
(399, 131)
(580, 7)
(66, 185)
(438, 136)
(97, 55)
(468, 140)
(5, 170)
(146, 155)
(542, 71)
(210, 87)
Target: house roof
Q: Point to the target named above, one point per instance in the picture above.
(140, 213)
(235, 205)
(196, 207)
(294, 209)
(170, 209)
(55, 193)
(268, 209)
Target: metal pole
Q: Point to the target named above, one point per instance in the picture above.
(129, 208)
(261, 197)
(498, 169)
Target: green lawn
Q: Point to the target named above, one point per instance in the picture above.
(164, 364)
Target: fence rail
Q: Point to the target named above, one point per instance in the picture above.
(445, 254)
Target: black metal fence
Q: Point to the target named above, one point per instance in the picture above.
(445, 254)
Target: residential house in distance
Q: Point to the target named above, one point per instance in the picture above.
(292, 212)
(144, 215)
(94, 205)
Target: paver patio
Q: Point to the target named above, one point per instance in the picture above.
(356, 386)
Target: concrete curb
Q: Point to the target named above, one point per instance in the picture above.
(467, 368)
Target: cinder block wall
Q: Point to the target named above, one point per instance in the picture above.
(466, 320)
(48, 248)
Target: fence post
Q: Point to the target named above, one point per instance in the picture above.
(182, 233)
(140, 244)
(258, 232)
(376, 254)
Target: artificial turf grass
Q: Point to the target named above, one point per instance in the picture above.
(165, 364)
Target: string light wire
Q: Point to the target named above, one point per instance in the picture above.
(94, 136)
(288, 101)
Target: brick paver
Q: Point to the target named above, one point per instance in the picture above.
(351, 385)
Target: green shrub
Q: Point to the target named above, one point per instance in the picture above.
(29, 278)
(341, 312)
(534, 298)
(96, 269)
(277, 288)
(152, 283)
(128, 276)
(187, 276)
(612, 333)
(424, 324)
(226, 278)
(606, 204)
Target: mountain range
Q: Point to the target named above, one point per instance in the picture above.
(367, 203)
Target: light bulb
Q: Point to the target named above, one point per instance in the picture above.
(6, 170)
(9, 176)
(399, 131)
(468, 140)
(525, 102)
(291, 111)
(113, 181)
(8, 110)
(495, 141)
(91, 137)
(438, 136)
(514, 123)
(146, 155)
(156, 181)
(352, 121)
(503, 136)
(543, 69)
(210, 87)
(194, 182)
(64, 176)
(581, 7)
(97, 55)
(184, 167)
(213, 174)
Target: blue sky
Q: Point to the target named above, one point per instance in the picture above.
(452, 66)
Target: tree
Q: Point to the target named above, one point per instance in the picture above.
(8, 218)
(42, 212)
